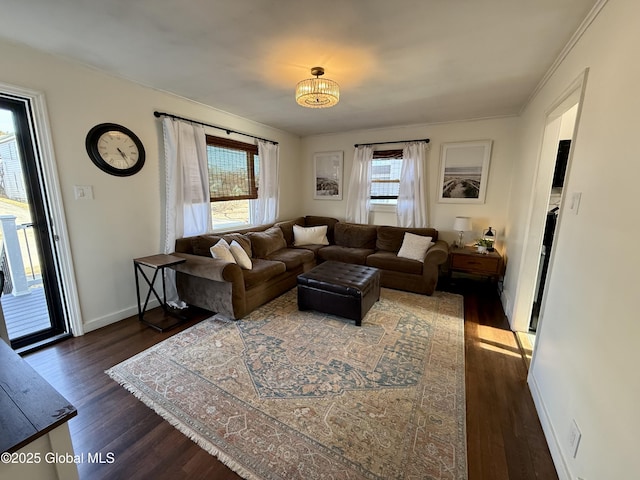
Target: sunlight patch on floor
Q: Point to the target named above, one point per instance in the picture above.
(526, 341)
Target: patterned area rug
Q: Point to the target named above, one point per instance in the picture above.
(284, 394)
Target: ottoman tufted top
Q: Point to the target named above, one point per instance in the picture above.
(341, 278)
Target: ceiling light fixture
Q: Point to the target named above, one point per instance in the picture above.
(317, 92)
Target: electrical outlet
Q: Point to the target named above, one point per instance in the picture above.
(574, 438)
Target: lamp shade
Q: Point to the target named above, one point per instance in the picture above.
(462, 224)
(317, 92)
(489, 234)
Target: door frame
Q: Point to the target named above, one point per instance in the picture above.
(49, 176)
(534, 231)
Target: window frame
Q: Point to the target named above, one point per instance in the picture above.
(251, 151)
(393, 154)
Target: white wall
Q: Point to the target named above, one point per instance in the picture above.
(583, 366)
(441, 215)
(124, 220)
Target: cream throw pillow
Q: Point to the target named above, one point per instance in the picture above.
(221, 251)
(414, 246)
(240, 256)
(310, 235)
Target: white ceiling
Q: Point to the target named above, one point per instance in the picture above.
(398, 62)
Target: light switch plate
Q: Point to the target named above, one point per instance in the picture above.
(575, 202)
(83, 192)
(574, 438)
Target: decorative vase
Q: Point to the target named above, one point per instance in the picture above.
(482, 249)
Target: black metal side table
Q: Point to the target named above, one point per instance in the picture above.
(157, 263)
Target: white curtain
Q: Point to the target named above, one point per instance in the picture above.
(188, 210)
(358, 195)
(265, 208)
(412, 198)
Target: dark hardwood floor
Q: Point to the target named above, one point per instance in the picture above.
(504, 436)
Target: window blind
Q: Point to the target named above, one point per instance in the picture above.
(385, 174)
(232, 169)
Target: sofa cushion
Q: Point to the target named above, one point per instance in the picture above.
(262, 271)
(240, 255)
(310, 235)
(222, 251)
(201, 244)
(355, 235)
(314, 221)
(414, 247)
(390, 261)
(267, 242)
(390, 239)
(345, 254)
(241, 239)
(314, 248)
(292, 257)
(287, 229)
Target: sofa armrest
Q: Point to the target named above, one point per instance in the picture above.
(209, 267)
(437, 254)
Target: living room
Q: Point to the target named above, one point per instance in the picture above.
(582, 368)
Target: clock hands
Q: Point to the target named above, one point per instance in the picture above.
(123, 155)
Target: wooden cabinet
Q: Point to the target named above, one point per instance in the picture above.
(468, 260)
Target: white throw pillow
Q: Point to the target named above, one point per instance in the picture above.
(414, 246)
(310, 235)
(221, 251)
(240, 256)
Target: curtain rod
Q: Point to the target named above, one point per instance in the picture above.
(426, 140)
(228, 130)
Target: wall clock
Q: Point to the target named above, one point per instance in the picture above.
(115, 149)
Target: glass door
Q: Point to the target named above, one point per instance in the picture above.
(31, 298)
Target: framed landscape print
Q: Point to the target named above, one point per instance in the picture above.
(328, 175)
(464, 171)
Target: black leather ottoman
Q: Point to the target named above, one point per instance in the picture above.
(341, 289)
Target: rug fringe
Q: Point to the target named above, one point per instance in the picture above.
(193, 436)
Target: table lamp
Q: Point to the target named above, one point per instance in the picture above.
(461, 225)
(491, 236)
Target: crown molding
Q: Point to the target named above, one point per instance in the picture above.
(591, 16)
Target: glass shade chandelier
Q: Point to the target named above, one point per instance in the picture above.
(317, 92)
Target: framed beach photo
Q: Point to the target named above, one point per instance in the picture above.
(328, 175)
(464, 171)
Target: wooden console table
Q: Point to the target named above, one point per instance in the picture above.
(468, 260)
(34, 420)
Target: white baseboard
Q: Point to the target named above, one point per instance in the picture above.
(114, 317)
(547, 427)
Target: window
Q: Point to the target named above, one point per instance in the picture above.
(385, 177)
(233, 179)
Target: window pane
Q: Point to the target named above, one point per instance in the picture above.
(385, 179)
(230, 214)
(229, 175)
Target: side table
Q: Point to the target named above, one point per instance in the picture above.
(468, 260)
(157, 263)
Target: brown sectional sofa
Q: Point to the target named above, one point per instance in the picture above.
(227, 289)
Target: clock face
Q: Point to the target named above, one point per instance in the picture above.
(118, 149)
(115, 149)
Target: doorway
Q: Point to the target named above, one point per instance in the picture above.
(567, 127)
(547, 208)
(33, 295)
(544, 198)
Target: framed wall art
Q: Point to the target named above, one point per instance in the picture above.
(328, 175)
(464, 171)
